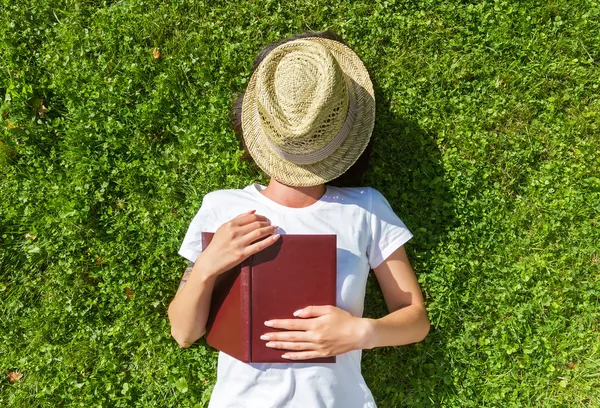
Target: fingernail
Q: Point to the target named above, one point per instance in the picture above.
(264, 337)
(275, 237)
(285, 356)
(297, 312)
(269, 323)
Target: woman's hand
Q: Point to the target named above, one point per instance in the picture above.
(330, 332)
(233, 241)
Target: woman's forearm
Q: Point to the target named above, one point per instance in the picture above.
(403, 326)
(188, 311)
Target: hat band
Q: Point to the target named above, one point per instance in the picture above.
(329, 148)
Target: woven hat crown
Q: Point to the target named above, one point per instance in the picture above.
(302, 98)
(308, 111)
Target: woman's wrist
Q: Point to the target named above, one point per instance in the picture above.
(403, 326)
(206, 267)
(366, 332)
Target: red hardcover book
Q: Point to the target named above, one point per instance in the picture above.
(294, 272)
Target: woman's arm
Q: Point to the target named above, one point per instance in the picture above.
(188, 311)
(233, 242)
(328, 330)
(407, 321)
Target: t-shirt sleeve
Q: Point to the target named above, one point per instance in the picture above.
(388, 232)
(205, 220)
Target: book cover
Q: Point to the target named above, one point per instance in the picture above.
(298, 270)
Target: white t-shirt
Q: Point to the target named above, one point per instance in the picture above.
(367, 230)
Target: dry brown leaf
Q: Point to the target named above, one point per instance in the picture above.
(14, 376)
(42, 110)
(38, 106)
(129, 293)
(99, 261)
(156, 53)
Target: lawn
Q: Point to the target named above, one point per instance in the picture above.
(115, 122)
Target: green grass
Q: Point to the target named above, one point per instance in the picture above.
(486, 143)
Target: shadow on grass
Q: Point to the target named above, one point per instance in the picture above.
(406, 167)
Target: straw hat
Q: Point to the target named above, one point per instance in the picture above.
(308, 111)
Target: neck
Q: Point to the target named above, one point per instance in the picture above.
(295, 197)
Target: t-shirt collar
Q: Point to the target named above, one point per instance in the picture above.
(256, 188)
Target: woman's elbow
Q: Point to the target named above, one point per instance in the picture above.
(425, 325)
(184, 341)
(184, 338)
(183, 344)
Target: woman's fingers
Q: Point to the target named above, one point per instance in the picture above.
(247, 218)
(258, 234)
(237, 217)
(245, 229)
(291, 345)
(262, 244)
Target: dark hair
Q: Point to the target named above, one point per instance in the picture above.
(351, 177)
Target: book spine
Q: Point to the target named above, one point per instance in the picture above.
(246, 290)
(334, 284)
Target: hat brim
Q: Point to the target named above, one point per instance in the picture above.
(334, 165)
